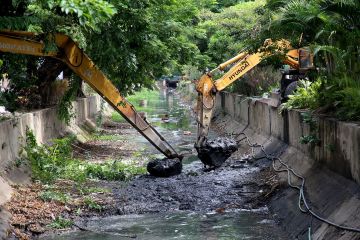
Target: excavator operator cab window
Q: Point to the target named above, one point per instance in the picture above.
(306, 60)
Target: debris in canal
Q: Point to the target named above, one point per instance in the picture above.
(164, 167)
(214, 153)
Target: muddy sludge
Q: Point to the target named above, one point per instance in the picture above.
(164, 167)
(212, 153)
(215, 152)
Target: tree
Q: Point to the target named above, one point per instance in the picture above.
(133, 42)
(331, 29)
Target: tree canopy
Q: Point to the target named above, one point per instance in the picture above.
(136, 41)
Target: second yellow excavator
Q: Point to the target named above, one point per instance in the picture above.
(214, 153)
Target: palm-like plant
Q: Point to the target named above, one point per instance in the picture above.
(332, 29)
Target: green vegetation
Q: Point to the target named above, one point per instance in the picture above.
(151, 96)
(61, 223)
(306, 95)
(50, 195)
(135, 42)
(104, 137)
(312, 138)
(92, 204)
(331, 29)
(49, 163)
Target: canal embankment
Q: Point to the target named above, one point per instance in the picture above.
(328, 161)
(46, 126)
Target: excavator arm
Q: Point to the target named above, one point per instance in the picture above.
(28, 43)
(207, 88)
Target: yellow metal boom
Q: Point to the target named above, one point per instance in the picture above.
(206, 87)
(68, 52)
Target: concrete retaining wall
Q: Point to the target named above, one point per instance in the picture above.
(45, 125)
(339, 147)
(331, 195)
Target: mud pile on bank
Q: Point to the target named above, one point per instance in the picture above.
(227, 187)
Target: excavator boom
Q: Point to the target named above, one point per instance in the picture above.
(68, 52)
(300, 59)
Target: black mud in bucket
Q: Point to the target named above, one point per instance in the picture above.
(214, 153)
(164, 167)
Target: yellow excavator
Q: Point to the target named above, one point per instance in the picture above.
(28, 43)
(214, 153)
(20, 42)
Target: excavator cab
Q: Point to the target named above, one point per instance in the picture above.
(306, 60)
(292, 75)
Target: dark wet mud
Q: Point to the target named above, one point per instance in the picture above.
(164, 167)
(229, 187)
(214, 152)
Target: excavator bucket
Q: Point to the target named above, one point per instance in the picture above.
(164, 167)
(215, 152)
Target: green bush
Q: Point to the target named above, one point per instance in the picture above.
(339, 96)
(305, 96)
(49, 163)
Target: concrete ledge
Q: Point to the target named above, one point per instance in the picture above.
(339, 147)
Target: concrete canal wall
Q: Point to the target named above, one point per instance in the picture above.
(330, 167)
(46, 126)
(339, 142)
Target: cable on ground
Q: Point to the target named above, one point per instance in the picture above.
(302, 202)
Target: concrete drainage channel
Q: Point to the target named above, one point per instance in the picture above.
(244, 198)
(225, 203)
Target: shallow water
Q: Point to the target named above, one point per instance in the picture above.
(183, 225)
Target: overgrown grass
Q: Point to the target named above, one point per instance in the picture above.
(61, 223)
(49, 163)
(152, 96)
(50, 195)
(108, 137)
(116, 117)
(92, 204)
